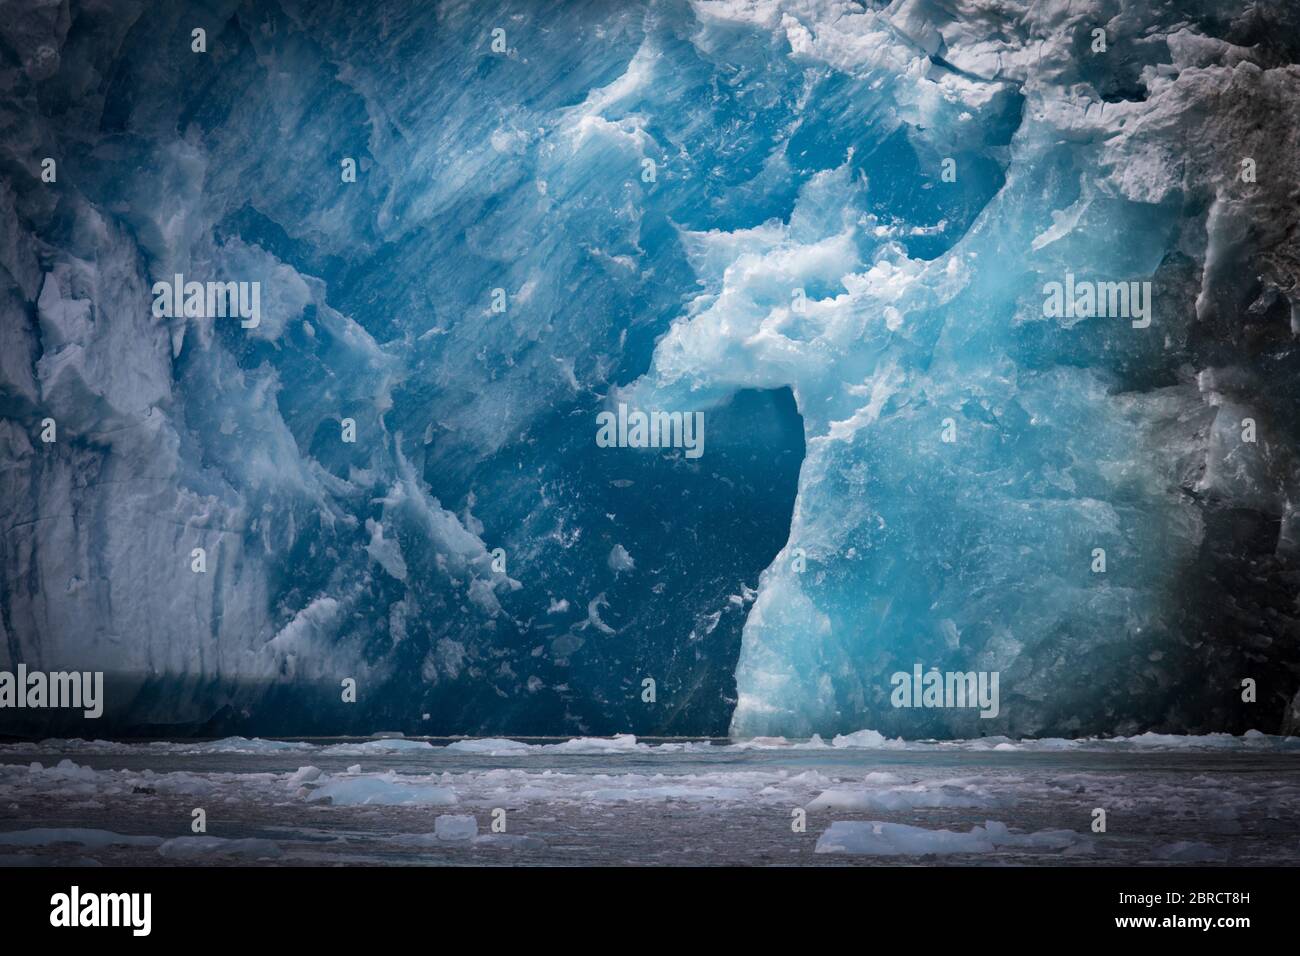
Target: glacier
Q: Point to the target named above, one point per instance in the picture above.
(828, 225)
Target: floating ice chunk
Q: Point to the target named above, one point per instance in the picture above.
(455, 827)
(187, 847)
(908, 798)
(385, 746)
(897, 839)
(877, 838)
(490, 745)
(246, 745)
(303, 775)
(620, 743)
(1040, 839)
(70, 771)
(881, 776)
(867, 740)
(181, 783)
(389, 790)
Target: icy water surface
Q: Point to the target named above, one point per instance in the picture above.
(1214, 799)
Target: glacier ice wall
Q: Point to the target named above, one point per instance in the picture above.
(1066, 436)
(375, 560)
(797, 146)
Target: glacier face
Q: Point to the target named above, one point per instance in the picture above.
(737, 207)
(1070, 441)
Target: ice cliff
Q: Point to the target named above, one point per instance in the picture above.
(827, 225)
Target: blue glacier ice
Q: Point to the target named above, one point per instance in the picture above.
(828, 225)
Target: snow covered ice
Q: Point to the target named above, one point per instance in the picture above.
(455, 827)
